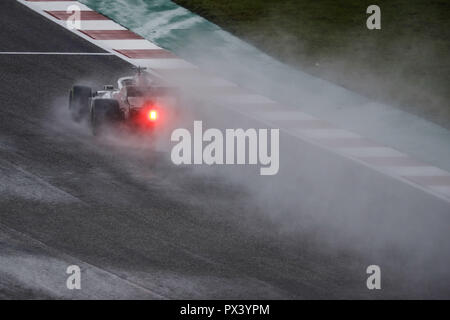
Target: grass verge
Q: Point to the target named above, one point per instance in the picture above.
(405, 64)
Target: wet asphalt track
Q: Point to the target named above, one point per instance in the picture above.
(136, 225)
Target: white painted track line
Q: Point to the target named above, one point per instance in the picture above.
(100, 25)
(128, 44)
(164, 63)
(59, 53)
(416, 171)
(58, 5)
(371, 152)
(444, 190)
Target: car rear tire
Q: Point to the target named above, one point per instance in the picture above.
(79, 102)
(104, 112)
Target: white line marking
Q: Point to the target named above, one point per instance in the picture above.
(59, 53)
(441, 189)
(371, 152)
(416, 171)
(58, 5)
(100, 25)
(163, 63)
(196, 79)
(128, 44)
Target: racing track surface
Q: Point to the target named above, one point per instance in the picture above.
(137, 226)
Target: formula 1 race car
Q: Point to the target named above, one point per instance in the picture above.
(135, 103)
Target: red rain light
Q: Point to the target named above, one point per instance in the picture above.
(152, 115)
